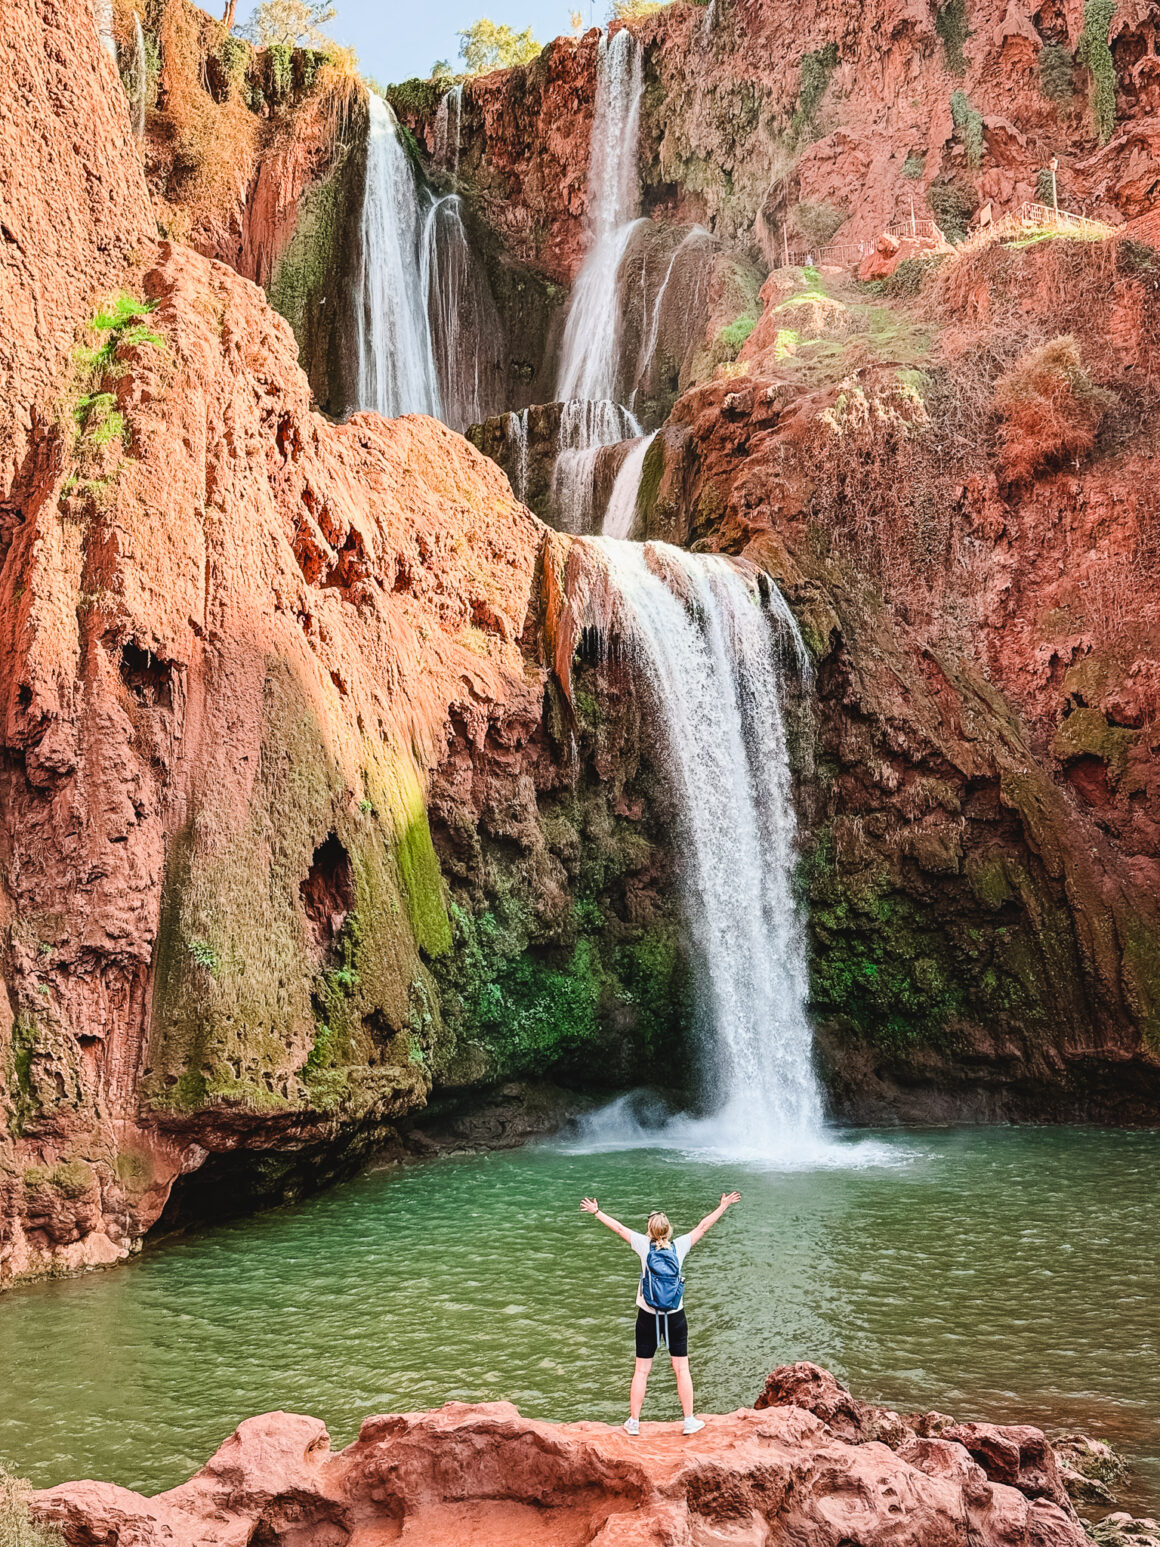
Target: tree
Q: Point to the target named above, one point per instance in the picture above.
(488, 46)
(441, 70)
(290, 23)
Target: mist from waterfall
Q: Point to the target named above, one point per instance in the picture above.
(713, 650)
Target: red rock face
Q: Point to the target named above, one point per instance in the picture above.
(484, 1474)
(729, 140)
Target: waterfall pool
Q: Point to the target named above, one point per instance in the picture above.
(1000, 1273)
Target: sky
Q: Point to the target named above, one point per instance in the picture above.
(396, 39)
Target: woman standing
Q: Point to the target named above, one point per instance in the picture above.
(660, 1301)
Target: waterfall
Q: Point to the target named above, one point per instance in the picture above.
(448, 118)
(141, 78)
(712, 647)
(585, 429)
(396, 359)
(588, 366)
(464, 324)
(620, 517)
(692, 299)
(104, 15)
(515, 429)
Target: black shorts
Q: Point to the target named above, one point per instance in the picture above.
(646, 1333)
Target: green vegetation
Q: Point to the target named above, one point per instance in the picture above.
(914, 165)
(968, 122)
(1055, 73)
(486, 45)
(205, 956)
(951, 25)
(119, 325)
(730, 338)
(1093, 51)
(952, 204)
(816, 70)
(17, 1527)
(290, 23)
(818, 222)
(629, 10)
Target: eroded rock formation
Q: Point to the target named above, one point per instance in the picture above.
(786, 1472)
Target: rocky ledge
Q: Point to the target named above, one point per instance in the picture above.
(809, 1463)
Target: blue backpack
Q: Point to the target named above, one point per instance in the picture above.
(661, 1284)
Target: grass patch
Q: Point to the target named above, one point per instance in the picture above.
(17, 1527)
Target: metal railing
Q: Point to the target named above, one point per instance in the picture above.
(1044, 217)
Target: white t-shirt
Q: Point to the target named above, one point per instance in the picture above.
(640, 1245)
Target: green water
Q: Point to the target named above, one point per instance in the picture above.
(1008, 1273)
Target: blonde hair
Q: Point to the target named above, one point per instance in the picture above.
(659, 1228)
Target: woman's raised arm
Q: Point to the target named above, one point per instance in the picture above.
(727, 1200)
(590, 1206)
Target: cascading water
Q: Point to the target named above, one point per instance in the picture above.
(711, 650)
(620, 516)
(689, 291)
(104, 15)
(464, 324)
(585, 429)
(590, 357)
(396, 359)
(448, 117)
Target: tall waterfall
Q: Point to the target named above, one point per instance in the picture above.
(713, 651)
(464, 324)
(396, 358)
(590, 356)
(427, 330)
(588, 367)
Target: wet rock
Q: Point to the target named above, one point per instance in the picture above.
(1124, 1530)
(1090, 1468)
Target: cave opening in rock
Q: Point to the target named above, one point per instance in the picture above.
(328, 891)
(148, 678)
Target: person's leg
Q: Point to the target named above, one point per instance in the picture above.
(684, 1385)
(639, 1383)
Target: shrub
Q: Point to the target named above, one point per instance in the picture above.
(952, 204)
(629, 10)
(914, 165)
(1093, 51)
(968, 122)
(17, 1527)
(1048, 409)
(487, 46)
(730, 338)
(817, 68)
(1055, 73)
(951, 25)
(818, 222)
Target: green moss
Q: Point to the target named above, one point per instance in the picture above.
(1093, 51)
(816, 69)
(651, 473)
(951, 25)
(1086, 733)
(730, 338)
(418, 99)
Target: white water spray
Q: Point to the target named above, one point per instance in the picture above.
(691, 295)
(104, 15)
(712, 650)
(620, 516)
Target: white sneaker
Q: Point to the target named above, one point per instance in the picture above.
(632, 1425)
(692, 1425)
